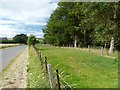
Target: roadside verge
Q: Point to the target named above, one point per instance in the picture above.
(15, 75)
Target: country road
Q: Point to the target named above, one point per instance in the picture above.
(6, 55)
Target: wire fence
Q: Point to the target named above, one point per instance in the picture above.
(52, 75)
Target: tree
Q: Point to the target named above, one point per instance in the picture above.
(31, 40)
(58, 27)
(84, 24)
(20, 38)
(107, 16)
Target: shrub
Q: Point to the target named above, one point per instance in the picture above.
(31, 40)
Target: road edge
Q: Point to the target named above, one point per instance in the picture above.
(11, 62)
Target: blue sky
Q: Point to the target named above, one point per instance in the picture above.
(24, 16)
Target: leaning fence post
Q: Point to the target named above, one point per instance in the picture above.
(58, 79)
(101, 51)
(50, 76)
(46, 65)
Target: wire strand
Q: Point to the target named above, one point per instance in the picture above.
(62, 79)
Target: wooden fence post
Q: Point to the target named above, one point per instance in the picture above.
(50, 76)
(46, 65)
(58, 79)
(102, 51)
(40, 59)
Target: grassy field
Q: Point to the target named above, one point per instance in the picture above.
(36, 79)
(79, 68)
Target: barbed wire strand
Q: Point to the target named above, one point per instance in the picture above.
(59, 76)
(62, 79)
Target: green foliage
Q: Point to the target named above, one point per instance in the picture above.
(20, 38)
(32, 40)
(8, 41)
(89, 23)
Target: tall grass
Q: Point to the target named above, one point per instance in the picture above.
(36, 78)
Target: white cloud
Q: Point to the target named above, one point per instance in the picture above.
(8, 31)
(35, 23)
(37, 34)
(30, 0)
(27, 12)
(7, 22)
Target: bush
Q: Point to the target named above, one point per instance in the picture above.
(31, 40)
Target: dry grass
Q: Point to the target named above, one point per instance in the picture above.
(102, 53)
(8, 45)
(97, 51)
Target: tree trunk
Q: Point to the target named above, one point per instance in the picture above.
(105, 46)
(111, 46)
(75, 42)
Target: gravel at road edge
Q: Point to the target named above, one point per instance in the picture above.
(16, 75)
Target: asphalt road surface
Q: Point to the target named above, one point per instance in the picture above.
(7, 55)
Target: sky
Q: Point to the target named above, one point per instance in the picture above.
(25, 16)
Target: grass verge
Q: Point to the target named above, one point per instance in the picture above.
(36, 79)
(82, 69)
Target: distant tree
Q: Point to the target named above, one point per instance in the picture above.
(7, 41)
(31, 40)
(20, 38)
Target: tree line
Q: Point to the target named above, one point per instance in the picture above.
(19, 38)
(30, 40)
(84, 23)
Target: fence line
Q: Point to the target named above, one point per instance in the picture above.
(48, 70)
(51, 76)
